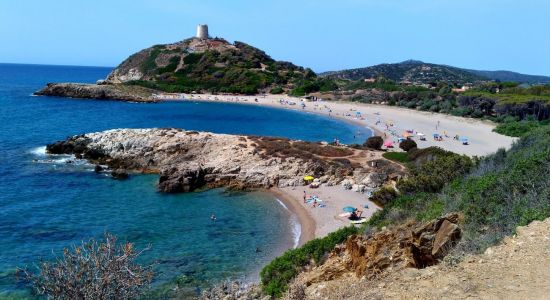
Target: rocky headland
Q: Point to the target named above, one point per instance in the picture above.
(99, 91)
(189, 160)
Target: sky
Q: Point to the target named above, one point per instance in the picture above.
(323, 35)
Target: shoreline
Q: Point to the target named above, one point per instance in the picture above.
(317, 222)
(387, 121)
(307, 223)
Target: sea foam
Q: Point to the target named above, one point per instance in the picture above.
(295, 223)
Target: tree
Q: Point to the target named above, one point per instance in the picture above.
(374, 142)
(94, 270)
(407, 145)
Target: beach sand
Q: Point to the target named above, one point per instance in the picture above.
(319, 221)
(482, 139)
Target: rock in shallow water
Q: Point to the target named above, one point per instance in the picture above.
(120, 174)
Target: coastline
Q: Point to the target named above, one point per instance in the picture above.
(307, 223)
(387, 121)
(317, 222)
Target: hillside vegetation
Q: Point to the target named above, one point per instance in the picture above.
(212, 65)
(494, 194)
(426, 73)
(410, 70)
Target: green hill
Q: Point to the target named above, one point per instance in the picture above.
(212, 65)
(424, 73)
(410, 70)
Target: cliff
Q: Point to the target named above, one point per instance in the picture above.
(188, 160)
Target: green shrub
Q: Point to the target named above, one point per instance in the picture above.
(276, 90)
(276, 276)
(374, 142)
(407, 145)
(384, 195)
(519, 128)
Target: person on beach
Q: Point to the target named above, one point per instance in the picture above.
(305, 196)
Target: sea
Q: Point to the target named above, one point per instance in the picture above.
(48, 203)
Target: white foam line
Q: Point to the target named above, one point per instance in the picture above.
(39, 151)
(295, 223)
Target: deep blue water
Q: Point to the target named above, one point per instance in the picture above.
(46, 204)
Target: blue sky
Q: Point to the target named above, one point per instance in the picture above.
(323, 35)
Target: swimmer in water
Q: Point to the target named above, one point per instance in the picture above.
(213, 217)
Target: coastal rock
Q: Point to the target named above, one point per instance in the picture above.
(189, 160)
(98, 91)
(359, 188)
(120, 174)
(347, 184)
(374, 179)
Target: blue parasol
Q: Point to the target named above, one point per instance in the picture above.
(349, 209)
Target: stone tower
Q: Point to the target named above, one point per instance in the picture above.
(202, 31)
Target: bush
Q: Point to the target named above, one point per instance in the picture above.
(276, 90)
(276, 276)
(384, 195)
(407, 145)
(518, 128)
(374, 142)
(94, 270)
(503, 191)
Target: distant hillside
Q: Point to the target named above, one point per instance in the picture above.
(420, 72)
(512, 76)
(213, 65)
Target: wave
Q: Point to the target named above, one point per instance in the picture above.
(295, 224)
(39, 151)
(42, 157)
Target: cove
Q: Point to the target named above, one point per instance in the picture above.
(47, 204)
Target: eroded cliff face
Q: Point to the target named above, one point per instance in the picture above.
(187, 160)
(517, 268)
(412, 245)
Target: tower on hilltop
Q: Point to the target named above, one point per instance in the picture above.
(202, 31)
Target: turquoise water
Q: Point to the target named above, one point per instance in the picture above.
(47, 204)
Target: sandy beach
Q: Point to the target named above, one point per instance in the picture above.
(389, 122)
(323, 219)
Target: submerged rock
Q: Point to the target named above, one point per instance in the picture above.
(120, 174)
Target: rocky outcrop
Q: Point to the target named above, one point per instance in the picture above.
(188, 160)
(409, 246)
(95, 91)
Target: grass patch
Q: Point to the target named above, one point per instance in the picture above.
(400, 157)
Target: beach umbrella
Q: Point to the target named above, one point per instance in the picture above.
(308, 178)
(388, 143)
(406, 134)
(420, 134)
(349, 209)
(463, 139)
